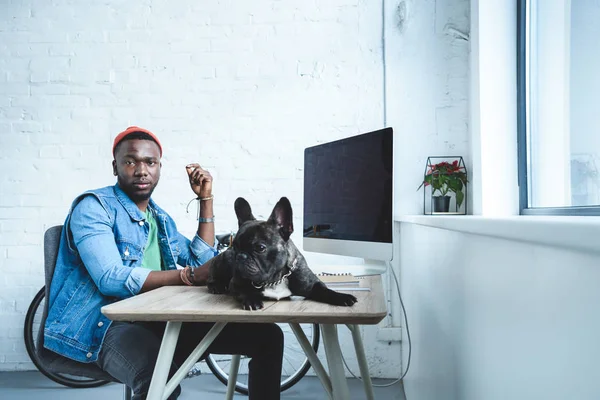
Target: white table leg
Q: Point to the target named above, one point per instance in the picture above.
(233, 371)
(362, 361)
(312, 357)
(163, 362)
(334, 360)
(193, 358)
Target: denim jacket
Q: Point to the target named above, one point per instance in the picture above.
(99, 262)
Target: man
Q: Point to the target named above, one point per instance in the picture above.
(116, 243)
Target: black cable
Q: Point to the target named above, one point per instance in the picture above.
(407, 335)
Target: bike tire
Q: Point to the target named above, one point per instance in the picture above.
(30, 344)
(223, 375)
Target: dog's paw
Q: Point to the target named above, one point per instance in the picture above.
(217, 289)
(342, 299)
(252, 304)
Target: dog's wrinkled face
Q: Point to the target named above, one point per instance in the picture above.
(260, 246)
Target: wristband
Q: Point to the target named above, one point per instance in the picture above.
(212, 196)
(184, 278)
(205, 220)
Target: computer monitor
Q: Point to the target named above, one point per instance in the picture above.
(348, 198)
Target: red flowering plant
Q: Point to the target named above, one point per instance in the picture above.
(446, 177)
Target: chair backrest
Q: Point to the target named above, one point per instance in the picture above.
(51, 360)
(51, 243)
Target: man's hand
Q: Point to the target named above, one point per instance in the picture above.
(200, 180)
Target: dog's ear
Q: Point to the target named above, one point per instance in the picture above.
(282, 217)
(243, 211)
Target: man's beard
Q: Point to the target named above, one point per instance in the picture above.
(137, 197)
(134, 195)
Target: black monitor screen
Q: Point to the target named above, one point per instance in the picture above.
(348, 188)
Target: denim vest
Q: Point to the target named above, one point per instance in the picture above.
(99, 262)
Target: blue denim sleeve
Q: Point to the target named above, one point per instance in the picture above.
(195, 252)
(91, 226)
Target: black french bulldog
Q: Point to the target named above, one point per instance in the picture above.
(263, 262)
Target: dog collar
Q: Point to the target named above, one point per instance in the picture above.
(265, 285)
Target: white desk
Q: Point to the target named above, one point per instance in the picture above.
(178, 304)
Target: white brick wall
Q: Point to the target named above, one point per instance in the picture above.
(240, 87)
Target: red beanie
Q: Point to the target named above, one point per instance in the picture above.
(133, 129)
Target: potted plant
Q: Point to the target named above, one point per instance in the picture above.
(445, 177)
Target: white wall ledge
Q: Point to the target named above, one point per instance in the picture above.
(569, 232)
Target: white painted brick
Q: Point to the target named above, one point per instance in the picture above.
(27, 127)
(6, 346)
(86, 114)
(58, 101)
(49, 152)
(234, 16)
(17, 358)
(39, 77)
(208, 31)
(266, 15)
(124, 61)
(88, 36)
(61, 49)
(46, 11)
(29, 49)
(15, 333)
(5, 129)
(46, 36)
(78, 76)
(190, 46)
(90, 61)
(22, 246)
(93, 90)
(49, 88)
(8, 306)
(11, 89)
(120, 36)
(59, 76)
(14, 37)
(12, 212)
(229, 46)
(14, 141)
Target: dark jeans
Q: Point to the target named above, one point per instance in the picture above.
(130, 350)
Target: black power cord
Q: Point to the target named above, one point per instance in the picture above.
(407, 335)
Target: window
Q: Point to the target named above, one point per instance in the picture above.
(559, 106)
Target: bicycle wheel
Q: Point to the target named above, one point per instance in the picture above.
(30, 332)
(295, 363)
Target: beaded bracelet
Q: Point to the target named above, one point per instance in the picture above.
(184, 277)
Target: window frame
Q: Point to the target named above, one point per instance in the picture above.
(523, 7)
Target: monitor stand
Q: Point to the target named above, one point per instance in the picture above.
(369, 267)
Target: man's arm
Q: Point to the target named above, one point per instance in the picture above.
(206, 230)
(201, 184)
(157, 279)
(92, 230)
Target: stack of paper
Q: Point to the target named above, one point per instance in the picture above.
(341, 282)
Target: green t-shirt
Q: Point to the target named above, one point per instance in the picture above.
(151, 258)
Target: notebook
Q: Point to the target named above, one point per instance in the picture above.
(341, 281)
(341, 278)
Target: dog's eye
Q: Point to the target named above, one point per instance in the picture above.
(260, 248)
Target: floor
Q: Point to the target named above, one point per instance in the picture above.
(32, 385)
